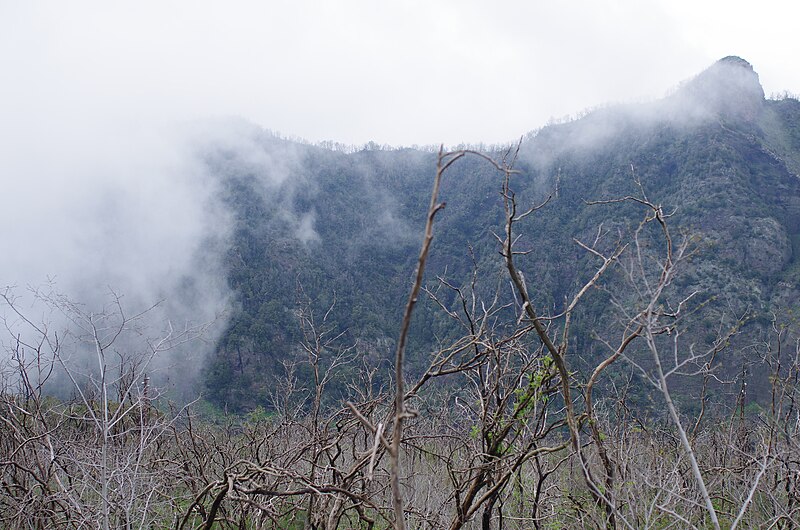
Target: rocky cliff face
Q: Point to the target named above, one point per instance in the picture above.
(729, 88)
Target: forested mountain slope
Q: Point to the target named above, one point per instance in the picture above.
(318, 226)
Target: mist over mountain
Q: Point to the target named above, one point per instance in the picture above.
(229, 224)
(315, 226)
(328, 265)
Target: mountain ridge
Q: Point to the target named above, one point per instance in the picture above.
(345, 227)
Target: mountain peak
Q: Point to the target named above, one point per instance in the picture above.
(735, 60)
(729, 88)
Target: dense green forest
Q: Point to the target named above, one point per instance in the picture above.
(319, 224)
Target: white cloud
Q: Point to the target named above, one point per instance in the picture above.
(352, 71)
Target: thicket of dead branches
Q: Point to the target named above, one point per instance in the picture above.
(506, 427)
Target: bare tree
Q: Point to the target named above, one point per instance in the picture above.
(100, 443)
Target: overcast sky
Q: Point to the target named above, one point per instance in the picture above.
(397, 72)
